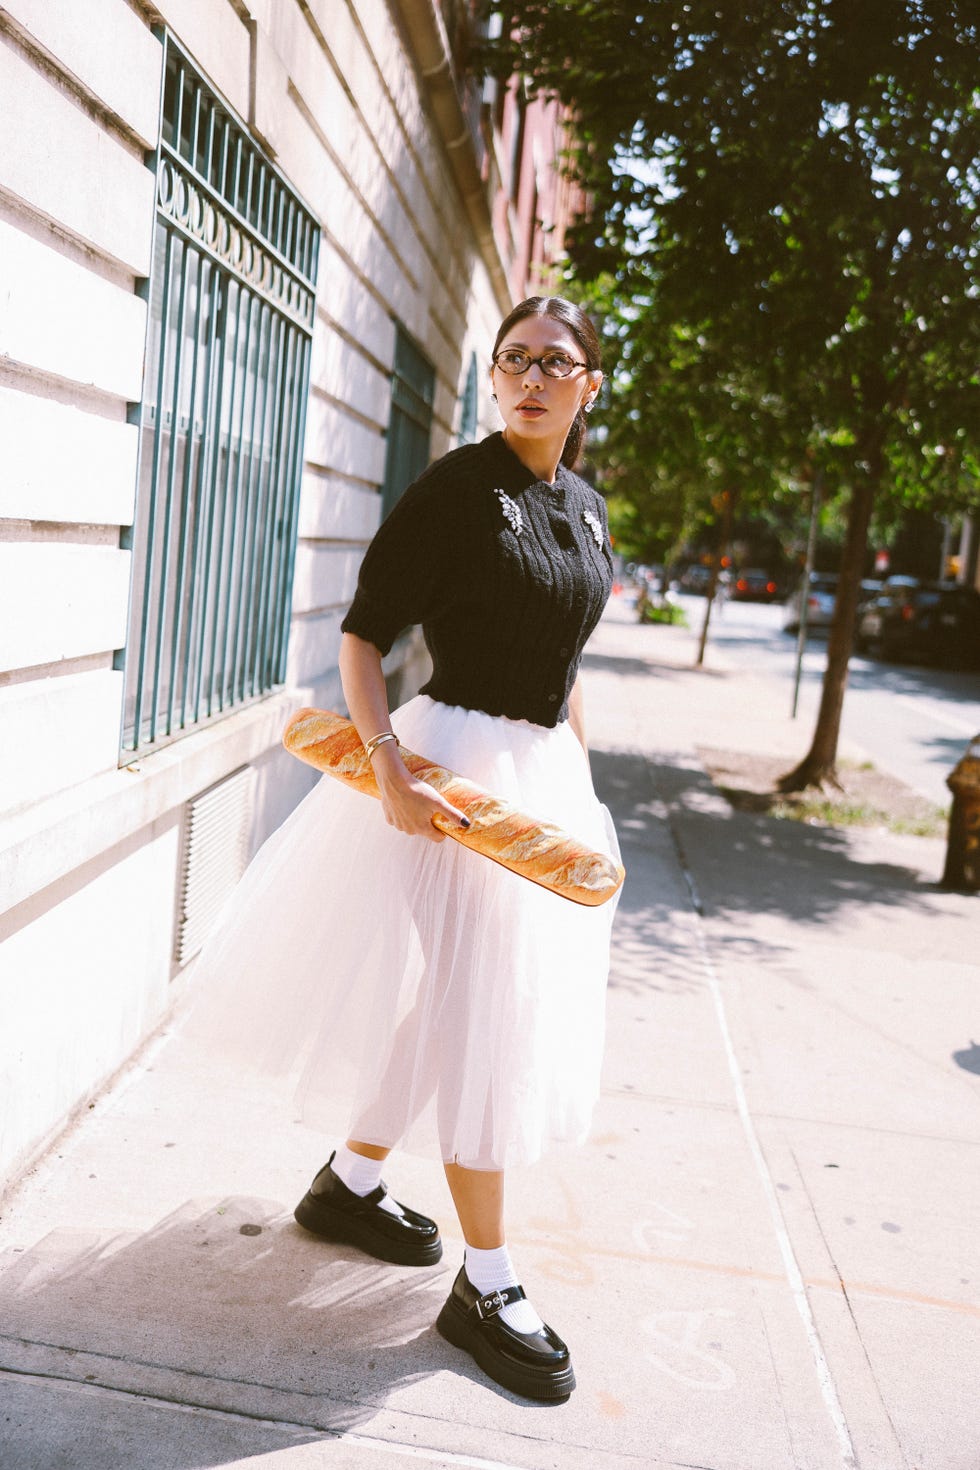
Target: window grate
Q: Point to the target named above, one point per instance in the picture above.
(232, 297)
(470, 406)
(413, 386)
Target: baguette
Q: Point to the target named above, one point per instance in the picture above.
(538, 851)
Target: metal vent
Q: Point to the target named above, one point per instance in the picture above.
(214, 854)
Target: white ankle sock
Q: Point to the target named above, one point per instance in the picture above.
(360, 1174)
(493, 1270)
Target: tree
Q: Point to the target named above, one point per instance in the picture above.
(792, 186)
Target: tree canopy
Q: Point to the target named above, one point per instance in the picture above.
(784, 240)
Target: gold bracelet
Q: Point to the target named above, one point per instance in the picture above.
(370, 746)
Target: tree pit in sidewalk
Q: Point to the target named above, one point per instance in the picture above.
(867, 797)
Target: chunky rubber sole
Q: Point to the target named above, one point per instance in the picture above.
(332, 1224)
(456, 1326)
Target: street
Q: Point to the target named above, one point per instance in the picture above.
(911, 721)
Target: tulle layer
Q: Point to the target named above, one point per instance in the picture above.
(425, 996)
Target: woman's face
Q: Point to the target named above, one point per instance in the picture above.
(536, 407)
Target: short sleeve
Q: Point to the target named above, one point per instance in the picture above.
(403, 575)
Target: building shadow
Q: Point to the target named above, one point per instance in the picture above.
(224, 1306)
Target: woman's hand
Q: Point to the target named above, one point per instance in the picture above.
(408, 803)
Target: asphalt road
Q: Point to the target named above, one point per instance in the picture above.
(911, 721)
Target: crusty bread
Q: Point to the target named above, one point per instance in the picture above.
(536, 850)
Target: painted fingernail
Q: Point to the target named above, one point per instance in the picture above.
(465, 822)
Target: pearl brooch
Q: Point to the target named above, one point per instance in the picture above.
(595, 526)
(511, 510)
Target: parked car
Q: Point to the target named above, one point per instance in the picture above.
(695, 579)
(870, 587)
(935, 622)
(820, 599)
(754, 584)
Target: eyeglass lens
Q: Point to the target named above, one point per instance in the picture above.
(554, 364)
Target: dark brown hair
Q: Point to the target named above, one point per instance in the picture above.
(581, 328)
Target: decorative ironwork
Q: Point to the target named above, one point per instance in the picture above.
(413, 387)
(185, 201)
(231, 305)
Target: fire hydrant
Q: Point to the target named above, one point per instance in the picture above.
(963, 851)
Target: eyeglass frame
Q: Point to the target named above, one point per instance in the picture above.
(535, 362)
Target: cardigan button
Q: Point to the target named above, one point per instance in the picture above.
(564, 652)
(552, 698)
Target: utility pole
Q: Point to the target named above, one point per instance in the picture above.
(728, 497)
(811, 551)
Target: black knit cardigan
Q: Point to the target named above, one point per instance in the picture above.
(508, 576)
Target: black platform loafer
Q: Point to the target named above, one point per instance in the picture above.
(534, 1364)
(333, 1211)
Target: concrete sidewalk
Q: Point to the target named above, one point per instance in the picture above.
(765, 1259)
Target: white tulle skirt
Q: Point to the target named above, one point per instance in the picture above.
(425, 996)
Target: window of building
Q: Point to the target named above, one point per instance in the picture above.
(231, 300)
(470, 404)
(413, 386)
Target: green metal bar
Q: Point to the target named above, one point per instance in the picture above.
(205, 574)
(179, 119)
(203, 496)
(237, 508)
(185, 506)
(154, 485)
(266, 187)
(196, 125)
(297, 451)
(248, 532)
(209, 156)
(238, 174)
(257, 496)
(287, 460)
(264, 491)
(218, 570)
(247, 210)
(314, 257)
(265, 613)
(275, 213)
(222, 187)
(270, 517)
(169, 495)
(289, 241)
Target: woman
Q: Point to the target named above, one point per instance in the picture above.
(458, 1001)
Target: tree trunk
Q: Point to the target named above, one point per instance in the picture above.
(819, 766)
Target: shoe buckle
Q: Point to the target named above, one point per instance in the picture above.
(490, 1304)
